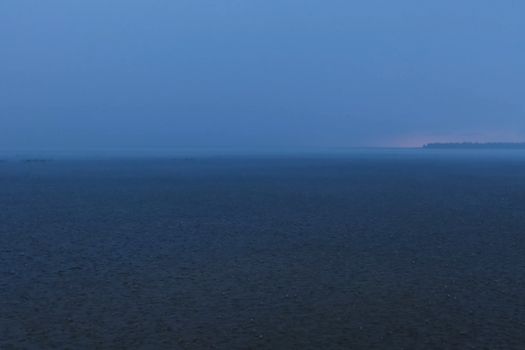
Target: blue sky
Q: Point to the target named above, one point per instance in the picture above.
(259, 74)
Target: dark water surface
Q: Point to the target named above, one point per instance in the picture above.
(357, 252)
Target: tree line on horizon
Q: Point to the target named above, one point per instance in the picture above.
(476, 145)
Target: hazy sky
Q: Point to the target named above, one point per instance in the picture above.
(259, 73)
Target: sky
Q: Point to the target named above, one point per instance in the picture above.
(281, 74)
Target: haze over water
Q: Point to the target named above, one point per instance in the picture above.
(200, 174)
(289, 74)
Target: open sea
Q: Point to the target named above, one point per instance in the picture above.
(385, 249)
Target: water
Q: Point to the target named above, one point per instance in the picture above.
(363, 249)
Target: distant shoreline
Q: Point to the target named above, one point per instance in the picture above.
(475, 145)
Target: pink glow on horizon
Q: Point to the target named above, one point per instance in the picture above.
(412, 141)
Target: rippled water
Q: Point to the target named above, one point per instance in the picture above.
(386, 250)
